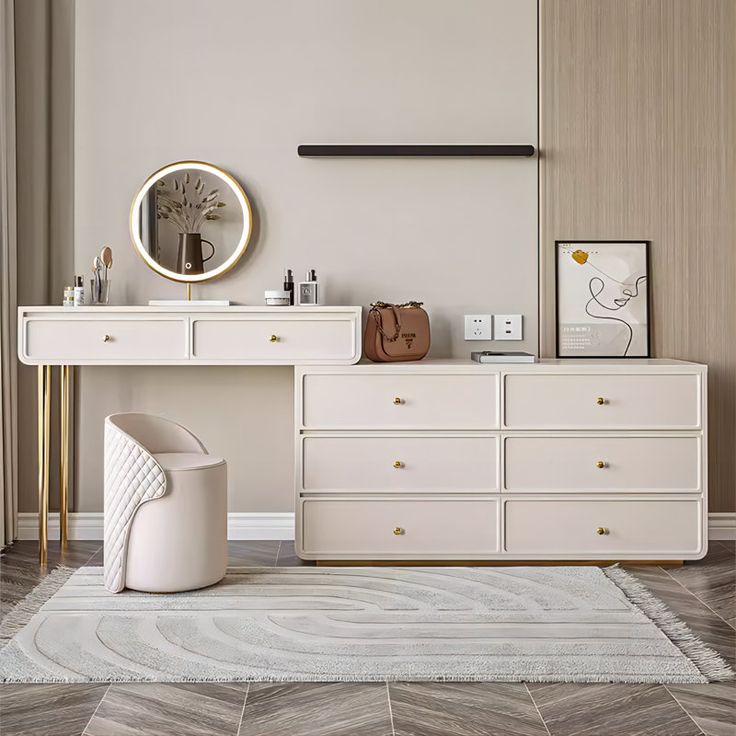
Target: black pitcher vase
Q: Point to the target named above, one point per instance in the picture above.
(189, 258)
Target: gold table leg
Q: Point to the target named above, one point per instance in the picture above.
(65, 382)
(44, 437)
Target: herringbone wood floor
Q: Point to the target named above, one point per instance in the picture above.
(702, 593)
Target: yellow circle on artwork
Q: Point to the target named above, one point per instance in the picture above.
(580, 256)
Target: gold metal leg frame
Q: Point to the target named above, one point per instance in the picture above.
(65, 387)
(44, 437)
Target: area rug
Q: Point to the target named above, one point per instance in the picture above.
(541, 624)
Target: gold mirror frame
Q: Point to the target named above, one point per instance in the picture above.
(240, 195)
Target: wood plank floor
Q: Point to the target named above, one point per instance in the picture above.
(702, 593)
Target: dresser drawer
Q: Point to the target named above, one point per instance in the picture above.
(399, 401)
(278, 341)
(630, 528)
(399, 528)
(606, 401)
(602, 463)
(119, 340)
(399, 463)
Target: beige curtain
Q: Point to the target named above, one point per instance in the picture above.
(8, 282)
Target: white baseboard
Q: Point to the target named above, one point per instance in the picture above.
(240, 525)
(246, 525)
(722, 525)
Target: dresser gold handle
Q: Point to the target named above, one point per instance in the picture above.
(601, 464)
(600, 401)
(601, 530)
(106, 338)
(398, 531)
(398, 464)
(274, 338)
(398, 400)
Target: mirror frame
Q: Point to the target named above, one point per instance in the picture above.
(241, 197)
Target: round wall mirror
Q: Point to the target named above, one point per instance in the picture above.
(191, 221)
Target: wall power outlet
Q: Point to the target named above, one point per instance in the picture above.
(478, 326)
(507, 327)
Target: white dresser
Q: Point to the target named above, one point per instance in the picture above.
(451, 460)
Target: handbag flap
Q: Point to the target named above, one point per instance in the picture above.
(413, 332)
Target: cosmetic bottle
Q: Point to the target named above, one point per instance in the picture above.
(289, 284)
(68, 297)
(78, 292)
(308, 294)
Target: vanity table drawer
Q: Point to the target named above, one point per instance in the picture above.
(399, 463)
(417, 528)
(399, 401)
(595, 528)
(606, 401)
(602, 463)
(79, 340)
(266, 341)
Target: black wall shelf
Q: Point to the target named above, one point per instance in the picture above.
(413, 150)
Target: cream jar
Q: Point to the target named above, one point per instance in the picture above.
(277, 298)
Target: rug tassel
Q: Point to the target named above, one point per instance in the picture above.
(709, 663)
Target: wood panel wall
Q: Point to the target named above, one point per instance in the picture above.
(638, 141)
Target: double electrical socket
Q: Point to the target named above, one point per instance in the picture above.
(493, 327)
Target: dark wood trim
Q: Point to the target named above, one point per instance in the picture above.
(458, 151)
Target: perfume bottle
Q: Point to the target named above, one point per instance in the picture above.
(308, 291)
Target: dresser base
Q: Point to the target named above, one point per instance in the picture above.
(490, 563)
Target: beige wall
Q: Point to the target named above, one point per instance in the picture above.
(638, 133)
(240, 83)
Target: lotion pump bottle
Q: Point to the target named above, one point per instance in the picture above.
(308, 293)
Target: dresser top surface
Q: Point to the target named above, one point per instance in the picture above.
(620, 365)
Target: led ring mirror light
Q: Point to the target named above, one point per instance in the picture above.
(239, 196)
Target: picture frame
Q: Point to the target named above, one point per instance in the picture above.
(602, 299)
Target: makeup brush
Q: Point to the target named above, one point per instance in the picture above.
(106, 256)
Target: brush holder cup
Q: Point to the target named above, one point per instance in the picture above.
(99, 292)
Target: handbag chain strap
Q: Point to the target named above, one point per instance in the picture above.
(375, 311)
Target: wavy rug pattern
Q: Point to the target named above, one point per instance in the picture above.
(573, 624)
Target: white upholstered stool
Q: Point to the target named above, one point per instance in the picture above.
(165, 507)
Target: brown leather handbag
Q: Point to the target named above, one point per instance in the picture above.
(396, 332)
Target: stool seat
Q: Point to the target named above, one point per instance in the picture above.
(186, 460)
(165, 507)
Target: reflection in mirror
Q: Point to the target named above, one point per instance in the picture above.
(191, 221)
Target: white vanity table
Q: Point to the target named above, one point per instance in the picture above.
(176, 336)
(435, 460)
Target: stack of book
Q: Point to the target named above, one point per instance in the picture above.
(488, 356)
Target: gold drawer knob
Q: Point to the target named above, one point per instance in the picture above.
(106, 338)
(601, 530)
(398, 400)
(600, 401)
(398, 464)
(601, 464)
(398, 531)
(274, 338)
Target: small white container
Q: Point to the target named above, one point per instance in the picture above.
(277, 298)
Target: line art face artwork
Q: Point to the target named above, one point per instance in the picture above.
(602, 299)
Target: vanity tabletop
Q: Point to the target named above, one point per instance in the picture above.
(193, 307)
